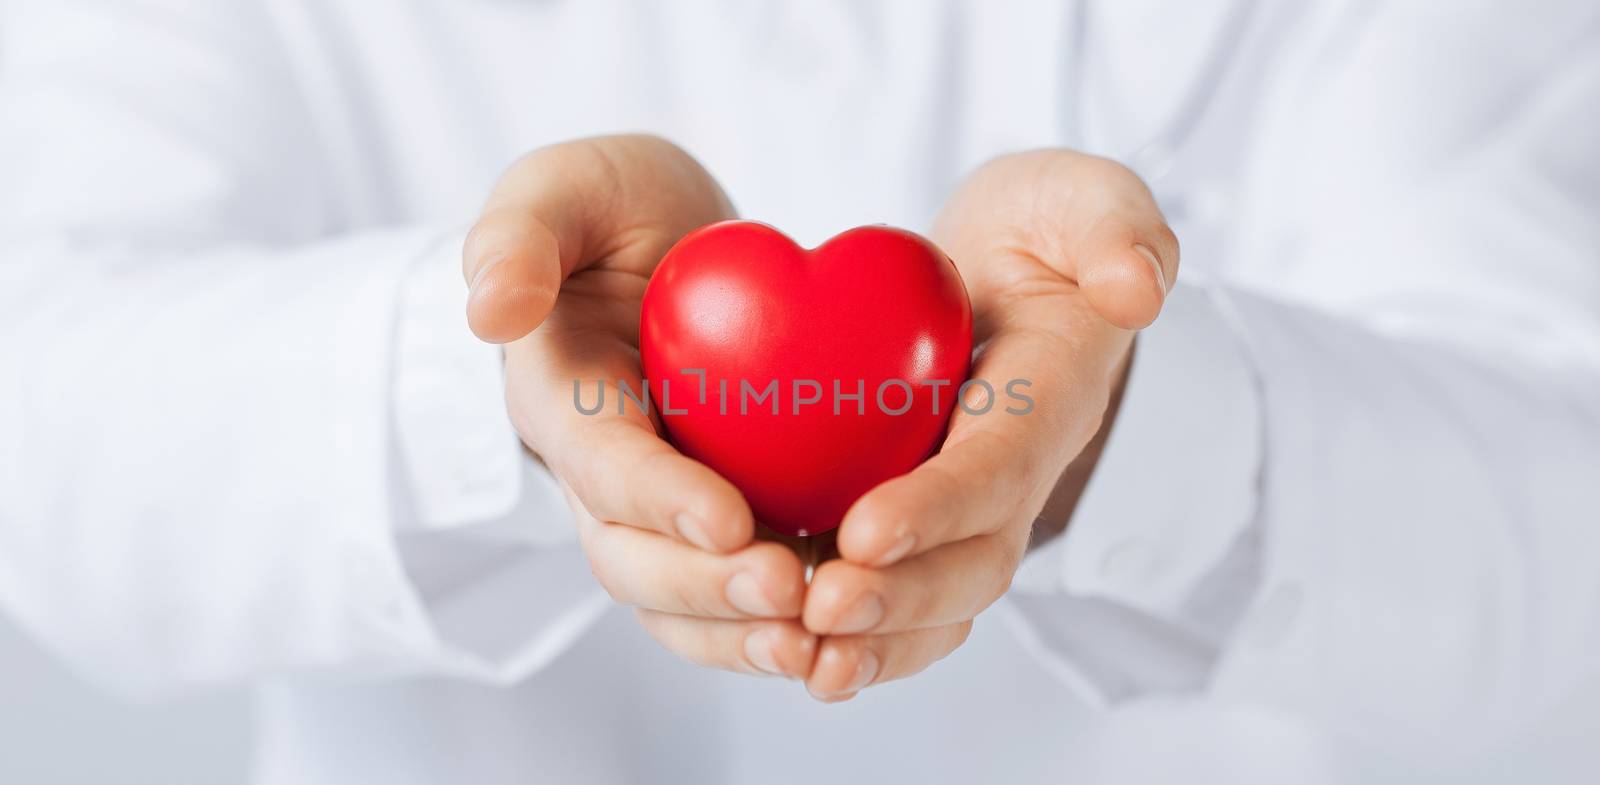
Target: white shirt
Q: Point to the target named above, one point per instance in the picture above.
(1351, 496)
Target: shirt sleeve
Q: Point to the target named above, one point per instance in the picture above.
(1156, 549)
(216, 382)
(1353, 477)
(484, 530)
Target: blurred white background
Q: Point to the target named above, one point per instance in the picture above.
(56, 730)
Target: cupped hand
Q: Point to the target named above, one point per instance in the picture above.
(1064, 255)
(557, 265)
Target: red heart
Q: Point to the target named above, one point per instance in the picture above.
(745, 304)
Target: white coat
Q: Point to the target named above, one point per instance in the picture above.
(1350, 502)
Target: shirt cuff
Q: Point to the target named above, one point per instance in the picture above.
(482, 530)
(462, 461)
(1163, 531)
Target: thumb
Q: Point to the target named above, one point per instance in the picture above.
(1127, 265)
(1089, 219)
(615, 201)
(512, 263)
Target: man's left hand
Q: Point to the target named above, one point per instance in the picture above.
(1064, 255)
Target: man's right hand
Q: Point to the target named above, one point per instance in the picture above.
(557, 265)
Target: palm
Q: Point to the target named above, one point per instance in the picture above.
(558, 264)
(1061, 256)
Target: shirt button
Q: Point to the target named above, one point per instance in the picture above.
(1272, 620)
(1128, 563)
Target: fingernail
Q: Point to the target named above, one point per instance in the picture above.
(744, 594)
(862, 616)
(898, 551)
(833, 697)
(758, 650)
(866, 671)
(1155, 264)
(691, 528)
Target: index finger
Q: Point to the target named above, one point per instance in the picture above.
(611, 456)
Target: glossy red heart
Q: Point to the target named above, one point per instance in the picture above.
(875, 311)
